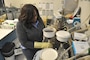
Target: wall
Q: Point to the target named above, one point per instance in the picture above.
(85, 12)
(18, 3)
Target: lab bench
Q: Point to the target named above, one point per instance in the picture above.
(6, 35)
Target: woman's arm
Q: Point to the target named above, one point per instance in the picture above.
(22, 36)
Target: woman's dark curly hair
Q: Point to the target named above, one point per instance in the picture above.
(27, 15)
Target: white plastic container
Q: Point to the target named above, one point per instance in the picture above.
(49, 32)
(62, 36)
(46, 54)
(49, 54)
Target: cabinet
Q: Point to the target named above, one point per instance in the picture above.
(10, 36)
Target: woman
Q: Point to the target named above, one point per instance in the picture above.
(29, 31)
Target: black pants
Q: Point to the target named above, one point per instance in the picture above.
(29, 53)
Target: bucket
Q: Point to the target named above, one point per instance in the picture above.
(8, 51)
(49, 32)
(46, 54)
(62, 36)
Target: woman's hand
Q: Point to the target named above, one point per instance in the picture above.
(43, 45)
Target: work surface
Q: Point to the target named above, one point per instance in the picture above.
(4, 32)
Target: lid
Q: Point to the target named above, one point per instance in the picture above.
(49, 54)
(64, 34)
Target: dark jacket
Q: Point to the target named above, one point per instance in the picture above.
(27, 37)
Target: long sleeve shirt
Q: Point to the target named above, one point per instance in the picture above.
(27, 37)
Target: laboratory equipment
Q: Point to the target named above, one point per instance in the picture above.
(49, 32)
(62, 36)
(46, 54)
(8, 51)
